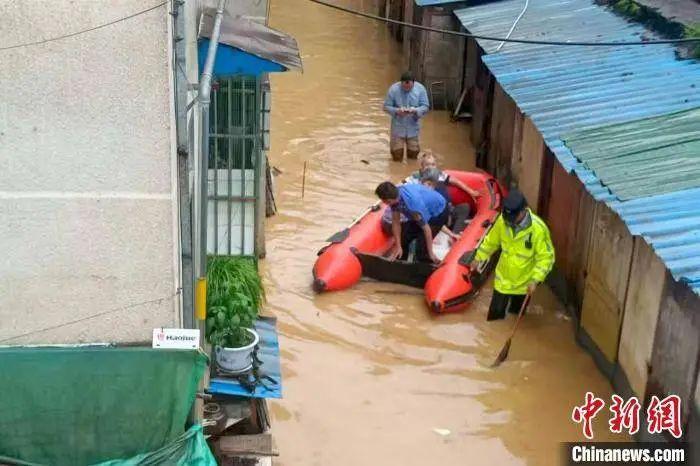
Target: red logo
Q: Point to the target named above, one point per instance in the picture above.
(665, 415)
(587, 412)
(625, 415)
(662, 415)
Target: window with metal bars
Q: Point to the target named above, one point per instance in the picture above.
(234, 160)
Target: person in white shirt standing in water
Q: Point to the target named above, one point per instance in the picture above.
(406, 102)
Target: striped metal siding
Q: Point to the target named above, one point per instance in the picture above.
(436, 2)
(570, 89)
(645, 157)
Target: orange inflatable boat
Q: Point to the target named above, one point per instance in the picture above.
(360, 248)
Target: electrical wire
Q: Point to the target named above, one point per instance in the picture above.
(527, 3)
(92, 316)
(501, 39)
(73, 34)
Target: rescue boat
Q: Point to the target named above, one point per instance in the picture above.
(359, 250)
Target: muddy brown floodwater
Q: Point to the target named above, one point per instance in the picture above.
(370, 377)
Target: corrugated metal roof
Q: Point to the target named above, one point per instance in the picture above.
(253, 38)
(670, 223)
(436, 2)
(572, 89)
(644, 157)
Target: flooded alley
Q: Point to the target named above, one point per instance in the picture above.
(370, 376)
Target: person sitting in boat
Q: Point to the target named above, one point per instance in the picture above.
(426, 212)
(427, 162)
(431, 178)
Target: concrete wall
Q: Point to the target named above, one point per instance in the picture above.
(88, 191)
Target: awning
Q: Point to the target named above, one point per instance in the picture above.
(247, 47)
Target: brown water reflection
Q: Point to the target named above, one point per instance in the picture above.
(369, 374)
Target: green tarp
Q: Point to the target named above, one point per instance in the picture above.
(86, 405)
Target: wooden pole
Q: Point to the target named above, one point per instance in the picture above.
(303, 181)
(506, 348)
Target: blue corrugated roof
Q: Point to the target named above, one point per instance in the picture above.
(570, 89)
(436, 2)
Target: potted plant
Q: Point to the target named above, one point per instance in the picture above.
(234, 296)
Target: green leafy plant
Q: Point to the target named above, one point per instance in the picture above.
(693, 32)
(234, 296)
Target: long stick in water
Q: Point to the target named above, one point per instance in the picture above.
(506, 348)
(303, 181)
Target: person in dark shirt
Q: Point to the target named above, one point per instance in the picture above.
(427, 212)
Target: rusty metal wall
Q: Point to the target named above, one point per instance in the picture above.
(531, 155)
(676, 355)
(396, 9)
(562, 218)
(647, 280)
(481, 95)
(501, 137)
(582, 240)
(609, 261)
(410, 37)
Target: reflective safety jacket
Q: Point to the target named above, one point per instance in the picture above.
(526, 256)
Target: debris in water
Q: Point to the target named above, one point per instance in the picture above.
(443, 432)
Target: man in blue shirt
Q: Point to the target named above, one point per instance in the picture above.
(426, 212)
(406, 102)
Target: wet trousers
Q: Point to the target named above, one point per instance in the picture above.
(500, 303)
(413, 231)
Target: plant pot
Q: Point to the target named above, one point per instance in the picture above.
(237, 360)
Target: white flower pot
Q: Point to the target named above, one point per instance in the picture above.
(237, 360)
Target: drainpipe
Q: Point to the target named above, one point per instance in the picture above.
(203, 165)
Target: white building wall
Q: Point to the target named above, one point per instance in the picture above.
(89, 229)
(254, 10)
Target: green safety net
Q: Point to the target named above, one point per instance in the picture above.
(89, 405)
(190, 449)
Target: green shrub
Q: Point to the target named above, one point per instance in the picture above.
(234, 296)
(693, 32)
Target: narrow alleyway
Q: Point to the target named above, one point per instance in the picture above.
(369, 375)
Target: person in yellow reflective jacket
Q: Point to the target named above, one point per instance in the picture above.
(527, 255)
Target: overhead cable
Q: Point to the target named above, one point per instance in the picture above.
(77, 33)
(504, 39)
